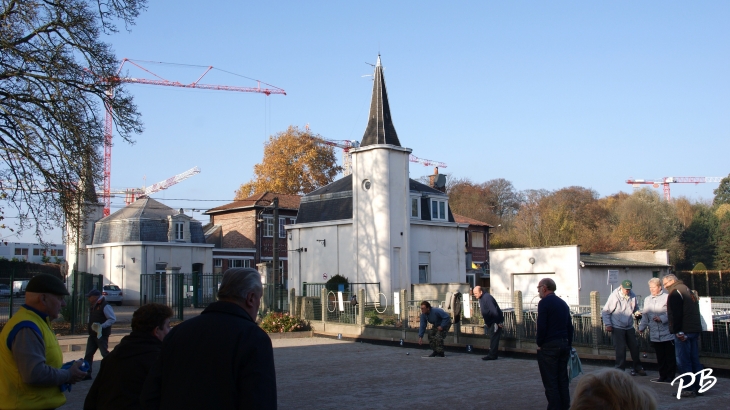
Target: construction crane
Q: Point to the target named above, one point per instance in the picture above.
(131, 195)
(664, 182)
(167, 83)
(347, 145)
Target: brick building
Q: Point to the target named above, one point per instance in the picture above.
(476, 244)
(242, 232)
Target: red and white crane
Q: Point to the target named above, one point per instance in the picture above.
(161, 81)
(664, 182)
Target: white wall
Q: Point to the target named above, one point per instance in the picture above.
(381, 214)
(596, 278)
(445, 243)
(337, 256)
(115, 262)
(511, 270)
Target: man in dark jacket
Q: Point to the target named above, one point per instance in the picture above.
(493, 319)
(554, 341)
(220, 359)
(124, 371)
(101, 319)
(683, 311)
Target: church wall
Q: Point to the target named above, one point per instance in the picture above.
(380, 214)
(333, 256)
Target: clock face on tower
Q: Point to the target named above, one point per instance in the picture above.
(366, 184)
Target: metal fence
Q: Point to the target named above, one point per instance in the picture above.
(348, 313)
(715, 343)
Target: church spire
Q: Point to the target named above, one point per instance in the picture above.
(380, 129)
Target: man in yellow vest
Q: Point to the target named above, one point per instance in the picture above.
(30, 357)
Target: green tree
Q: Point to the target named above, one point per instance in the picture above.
(722, 250)
(55, 78)
(722, 193)
(294, 163)
(699, 239)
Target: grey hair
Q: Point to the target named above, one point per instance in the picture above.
(549, 283)
(671, 277)
(237, 283)
(656, 282)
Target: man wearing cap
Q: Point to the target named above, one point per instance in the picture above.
(618, 317)
(30, 357)
(101, 319)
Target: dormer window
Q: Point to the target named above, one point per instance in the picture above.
(415, 208)
(179, 231)
(438, 210)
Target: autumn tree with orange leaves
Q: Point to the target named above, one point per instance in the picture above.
(294, 163)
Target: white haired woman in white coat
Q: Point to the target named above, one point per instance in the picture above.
(654, 316)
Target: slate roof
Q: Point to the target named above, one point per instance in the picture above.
(259, 200)
(589, 259)
(380, 129)
(333, 202)
(143, 220)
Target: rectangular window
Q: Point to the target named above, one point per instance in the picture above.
(21, 251)
(60, 252)
(268, 227)
(282, 231)
(438, 210)
(239, 263)
(415, 208)
(655, 274)
(179, 231)
(36, 252)
(218, 263)
(424, 260)
(477, 239)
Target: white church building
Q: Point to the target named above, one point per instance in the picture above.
(377, 225)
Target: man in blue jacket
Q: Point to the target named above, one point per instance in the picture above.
(493, 319)
(440, 321)
(554, 341)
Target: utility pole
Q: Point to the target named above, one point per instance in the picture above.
(275, 251)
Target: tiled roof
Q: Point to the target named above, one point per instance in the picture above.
(259, 200)
(465, 220)
(588, 259)
(380, 129)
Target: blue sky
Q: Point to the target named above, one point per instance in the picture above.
(545, 95)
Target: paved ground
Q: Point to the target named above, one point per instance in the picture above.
(319, 373)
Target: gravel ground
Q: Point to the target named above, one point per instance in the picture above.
(321, 373)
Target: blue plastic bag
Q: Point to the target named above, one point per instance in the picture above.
(574, 366)
(84, 368)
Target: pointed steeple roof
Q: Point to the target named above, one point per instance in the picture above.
(380, 129)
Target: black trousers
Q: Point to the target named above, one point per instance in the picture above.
(623, 338)
(666, 359)
(552, 359)
(92, 344)
(493, 340)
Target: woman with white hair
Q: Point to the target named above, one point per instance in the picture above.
(654, 316)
